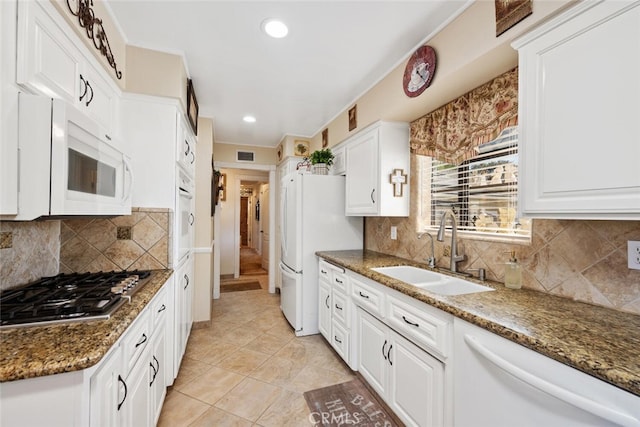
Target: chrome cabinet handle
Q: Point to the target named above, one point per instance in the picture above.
(327, 301)
(163, 308)
(188, 148)
(193, 157)
(91, 98)
(383, 346)
(389, 355)
(337, 339)
(142, 341)
(410, 322)
(192, 218)
(363, 295)
(84, 92)
(120, 380)
(338, 307)
(339, 281)
(186, 278)
(372, 199)
(323, 272)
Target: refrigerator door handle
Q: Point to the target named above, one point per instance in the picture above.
(288, 271)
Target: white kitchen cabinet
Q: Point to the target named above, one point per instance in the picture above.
(410, 380)
(324, 311)
(373, 155)
(500, 383)
(107, 391)
(53, 62)
(579, 106)
(339, 166)
(186, 146)
(184, 314)
(136, 409)
(335, 310)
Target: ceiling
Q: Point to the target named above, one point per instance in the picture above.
(335, 52)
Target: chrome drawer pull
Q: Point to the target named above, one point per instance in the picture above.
(125, 392)
(339, 281)
(363, 295)
(163, 308)
(337, 340)
(338, 307)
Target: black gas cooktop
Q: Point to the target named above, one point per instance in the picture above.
(69, 297)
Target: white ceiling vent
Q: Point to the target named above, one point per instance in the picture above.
(245, 156)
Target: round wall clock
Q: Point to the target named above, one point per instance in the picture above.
(419, 71)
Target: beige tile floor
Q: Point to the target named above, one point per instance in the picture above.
(249, 369)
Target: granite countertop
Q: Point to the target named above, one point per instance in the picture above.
(598, 341)
(35, 351)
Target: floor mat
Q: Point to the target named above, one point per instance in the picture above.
(348, 403)
(241, 286)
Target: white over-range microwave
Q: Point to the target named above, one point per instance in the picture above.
(67, 164)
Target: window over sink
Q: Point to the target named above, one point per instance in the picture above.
(482, 191)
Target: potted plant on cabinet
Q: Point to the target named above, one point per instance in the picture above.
(321, 160)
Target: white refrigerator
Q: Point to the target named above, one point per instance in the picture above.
(312, 219)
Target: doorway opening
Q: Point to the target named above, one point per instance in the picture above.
(243, 227)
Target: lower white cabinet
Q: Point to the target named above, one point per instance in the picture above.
(410, 380)
(184, 313)
(324, 310)
(107, 391)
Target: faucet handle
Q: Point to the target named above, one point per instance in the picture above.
(432, 262)
(481, 273)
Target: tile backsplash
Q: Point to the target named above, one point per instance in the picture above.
(582, 260)
(29, 251)
(33, 249)
(137, 241)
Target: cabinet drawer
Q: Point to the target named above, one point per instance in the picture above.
(428, 330)
(136, 340)
(340, 281)
(159, 308)
(340, 308)
(325, 271)
(367, 296)
(340, 340)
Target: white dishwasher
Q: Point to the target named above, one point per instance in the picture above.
(500, 383)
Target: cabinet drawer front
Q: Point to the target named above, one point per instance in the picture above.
(136, 340)
(325, 271)
(424, 329)
(340, 281)
(340, 340)
(159, 307)
(367, 297)
(340, 308)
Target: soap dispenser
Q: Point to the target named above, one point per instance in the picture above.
(513, 272)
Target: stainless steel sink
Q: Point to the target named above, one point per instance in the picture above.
(432, 281)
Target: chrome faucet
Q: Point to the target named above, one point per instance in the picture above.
(432, 259)
(455, 257)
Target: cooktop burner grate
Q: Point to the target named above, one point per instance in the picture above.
(69, 297)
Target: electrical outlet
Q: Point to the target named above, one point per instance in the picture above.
(633, 251)
(394, 232)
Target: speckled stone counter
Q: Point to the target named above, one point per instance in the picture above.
(598, 341)
(45, 350)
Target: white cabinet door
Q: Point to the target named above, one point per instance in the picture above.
(373, 156)
(324, 309)
(158, 379)
(373, 349)
(98, 99)
(416, 392)
(579, 122)
(106, 392)
(362, 192)
(48, 62)
(136, 409)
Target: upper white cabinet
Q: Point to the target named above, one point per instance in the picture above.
(186, 147)
(51, 63)
(580, 114)
(373, 156)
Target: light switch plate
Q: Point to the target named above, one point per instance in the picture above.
(394, 232)
(633, 251)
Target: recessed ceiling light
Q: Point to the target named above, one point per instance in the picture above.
(249, 119)
(275, 28)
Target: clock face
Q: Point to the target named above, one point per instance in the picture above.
(419, 71)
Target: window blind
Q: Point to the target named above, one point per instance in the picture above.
(481, 191)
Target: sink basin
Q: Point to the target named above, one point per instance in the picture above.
(411, 275)
(431, 281)
(454, 287)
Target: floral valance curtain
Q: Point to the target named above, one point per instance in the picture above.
(451, 132)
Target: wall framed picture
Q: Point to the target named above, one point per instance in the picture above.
(192, 107)
(353, 117)
(325, 138)
(301, 148)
